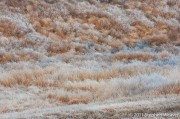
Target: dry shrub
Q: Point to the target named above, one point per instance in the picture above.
(66, 58)
(26, 57)
(178, 18)
(26, 79)
(177, 43)
(164, 55)
(103, 22)
(146, 9)
(44, 83)
(56, 48)
(51, 1)
(174, 36)
(129, 6)
(170, 89)
(63, 34)
(16, 80)
(117, 44)
(101, 75)
(14, 5)
(45, 22)
(171, 3)
(80, 49)
(4, 109)
(17, 3)
(45, 26)
(133, 35)
(78, 101)
(62, 99)
(10, 29)
(79, 87)
(41, 83)
(133, 71)
(68, 100)
(156, 12)
(158, 40)
(4, 58)
(92, 1)
(141, 30)
(2, 30)
(86, 85)
(128, 42)
(137, 56)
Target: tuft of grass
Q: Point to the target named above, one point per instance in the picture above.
(17, 3)
(100, 75)
(56, 48)
(10, 29)
(170, 89)
(27, 78)
(4, 109)
(4, 58)
(137, 56)
(78, 101)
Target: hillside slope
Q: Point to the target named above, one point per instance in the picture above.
(106, 55)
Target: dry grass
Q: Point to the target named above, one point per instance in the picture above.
(67, 52)
(4, 58)
(68, 100)
(26, 57)
(116, 44)
(137, 56)
(61, 99)
(78, 101)
(158, 40)
(174, 36)
(170, 89)
(4, 109)
(15, 3)
(27, 78)
(56, 48)
(100, 75)
(10, 29)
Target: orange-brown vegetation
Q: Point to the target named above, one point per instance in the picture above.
(68, 100)
(90, 52)
(170, 89)
(27, 78)
(137, 56)
(4, 58)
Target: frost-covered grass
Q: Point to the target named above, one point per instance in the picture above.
(64, 52)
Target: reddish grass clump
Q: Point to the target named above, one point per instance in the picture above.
(101, 75)
(137, 56)
(27, 57)
(16, 3)
(27, 78)
(158, 40)
(78, 100)
(170, 89)
(68, 100)
(5, 58)
(56, 48)
(10, 29)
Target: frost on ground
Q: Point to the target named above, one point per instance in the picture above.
(89, 58)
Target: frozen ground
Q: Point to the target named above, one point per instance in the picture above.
(160, 107)
(89, 59)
